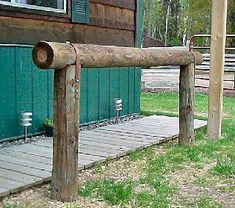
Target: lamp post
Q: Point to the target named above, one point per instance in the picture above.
(26, 119)
(117, 106)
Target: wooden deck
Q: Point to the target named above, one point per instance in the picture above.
(27, 165)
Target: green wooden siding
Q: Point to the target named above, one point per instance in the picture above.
(138, 42)
(99, 87)
(25, 88)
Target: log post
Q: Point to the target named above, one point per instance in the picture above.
(218, 38)
(66, 133)
(186, 104)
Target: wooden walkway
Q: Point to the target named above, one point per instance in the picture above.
(30, 164)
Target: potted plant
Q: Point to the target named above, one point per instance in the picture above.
(48, 124)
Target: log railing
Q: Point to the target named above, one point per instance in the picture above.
(67, 60)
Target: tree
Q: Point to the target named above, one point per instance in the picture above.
(174, 21)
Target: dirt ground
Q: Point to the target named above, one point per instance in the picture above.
(167, 79)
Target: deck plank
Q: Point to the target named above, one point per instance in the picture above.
(127, 134)
(115, 140)
(82, 149)
(86, 148)
(16, 176)
(25, 170)
(25, 155)
(9, 184)
(23, 166)
(30, 151)
(25, 162)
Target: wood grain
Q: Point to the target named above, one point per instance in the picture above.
(186, 105)
(57, 55)
(112, 17)
(218, 39)
(26, 31)
(128, 4)
(66, 134)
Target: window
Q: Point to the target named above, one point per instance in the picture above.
(46, 5)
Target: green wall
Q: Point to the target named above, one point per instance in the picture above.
(25, 88)
(99, 87)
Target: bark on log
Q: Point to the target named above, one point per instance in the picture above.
(186, 105)
(58, 55)
(66, 133)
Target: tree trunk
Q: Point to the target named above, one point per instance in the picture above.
(167, 21)
(149, 12)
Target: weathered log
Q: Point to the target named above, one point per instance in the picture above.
(63, 56)
(66, 133)
(58, 55)
(186, 105)
(217, 51)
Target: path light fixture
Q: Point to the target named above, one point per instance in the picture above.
(26, 121)
(117, 106)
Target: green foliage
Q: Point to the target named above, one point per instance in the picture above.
(226, 165)
(171, 20)
(48, 122)
(113, 192)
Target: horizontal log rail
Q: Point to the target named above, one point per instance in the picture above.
(67, 59)
(58, 55)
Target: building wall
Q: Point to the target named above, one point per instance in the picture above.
(110, 22)
(25, 88)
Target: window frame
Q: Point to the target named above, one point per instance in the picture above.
(34, 7)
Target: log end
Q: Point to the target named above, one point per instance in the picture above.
(43, 55)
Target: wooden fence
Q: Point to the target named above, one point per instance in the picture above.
(67, 60)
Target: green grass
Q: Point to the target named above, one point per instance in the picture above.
(17, 205)
(204, 181)
(207, 202)
(225, 165)
(174, 158)
(166, 103)
(113, 192)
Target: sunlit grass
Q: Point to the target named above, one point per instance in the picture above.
(174, 158)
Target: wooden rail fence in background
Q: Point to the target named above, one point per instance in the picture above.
(67, 60)
(202, 43)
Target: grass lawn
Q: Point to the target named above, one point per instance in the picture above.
(161, 176)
